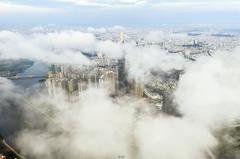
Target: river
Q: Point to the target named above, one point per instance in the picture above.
(38, 68)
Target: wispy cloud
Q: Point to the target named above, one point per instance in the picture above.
(7, 7)
(106, 3)
(211, 5)
(162, 4)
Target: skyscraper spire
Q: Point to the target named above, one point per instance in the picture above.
(122, 40)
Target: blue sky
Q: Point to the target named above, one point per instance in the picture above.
(142, 13)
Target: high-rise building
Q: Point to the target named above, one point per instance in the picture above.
(122, 83)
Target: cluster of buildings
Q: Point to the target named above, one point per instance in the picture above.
(160, 88)
(192, 45)
(104, 73)
(112, 74)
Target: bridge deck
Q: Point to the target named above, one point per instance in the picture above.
(26, 77)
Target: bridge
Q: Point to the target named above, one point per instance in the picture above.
(9, 151)
(151, 96)
(26, 77)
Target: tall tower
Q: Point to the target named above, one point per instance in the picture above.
(122, 79)
(122, 75)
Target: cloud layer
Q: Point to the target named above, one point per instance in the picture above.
(105, 3)
(211, 90)
(187, 5)
(112, 128)
(23, 8)
(99, 126)
(66, 46)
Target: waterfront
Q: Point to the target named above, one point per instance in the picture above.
(38, 68)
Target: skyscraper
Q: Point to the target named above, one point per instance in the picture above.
(122, 76)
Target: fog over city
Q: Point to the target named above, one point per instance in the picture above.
(96, 125)
(119, 79)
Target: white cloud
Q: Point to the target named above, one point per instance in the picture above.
(106, 3)
(159, 137)
(62, 47)
(97, 126)
(209, 91)
(184, 5)
(141, 60)
(20, 8)
(212, 5)
(65, 47)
